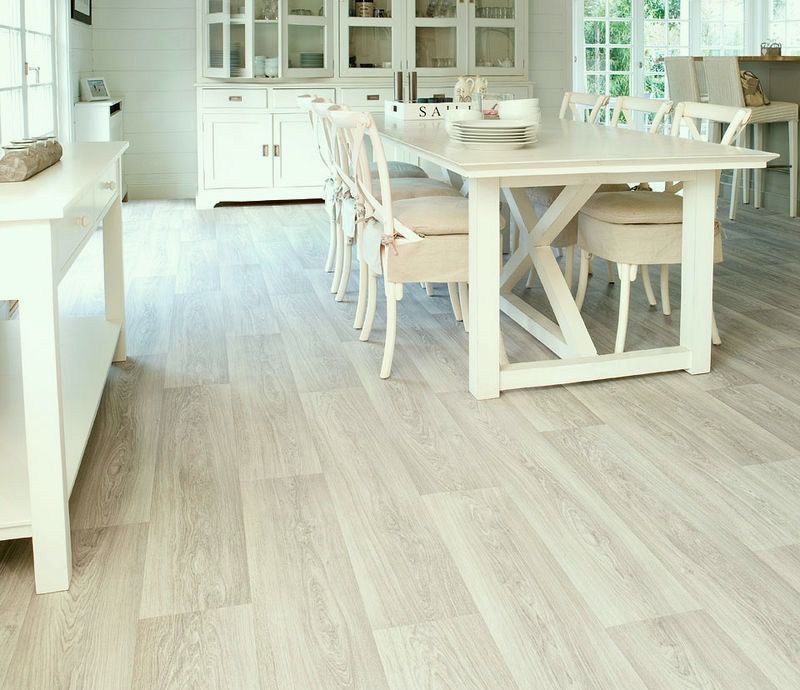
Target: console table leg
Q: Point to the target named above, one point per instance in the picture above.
(115, 274)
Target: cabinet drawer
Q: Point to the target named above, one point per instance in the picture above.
(234, 98)
(73, 230)
(371, 99)
(105, 187)
(286, 99)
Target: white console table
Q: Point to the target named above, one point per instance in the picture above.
(53, 370)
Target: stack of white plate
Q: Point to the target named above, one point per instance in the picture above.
(312, 60)
(494, 135)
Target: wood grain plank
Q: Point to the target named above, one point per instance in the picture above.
(545, 632)
(149, 315)
(784, 560)
(453, 654)
(203, 650)
(197, 352)
(270, 426)
(198, 267)
(403, 569)
(235, 244)
(85, 637)
(311, 626)
(687, 650)
(16, 592)
(438, 455)
(245, 301)
(195, 549)
(115, 482)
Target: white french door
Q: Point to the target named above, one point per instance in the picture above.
(27, 74)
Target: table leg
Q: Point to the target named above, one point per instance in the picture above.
(44, 418)
(697, 271)
(114, 274)
(484, 284)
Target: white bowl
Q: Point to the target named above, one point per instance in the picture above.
(460, 116)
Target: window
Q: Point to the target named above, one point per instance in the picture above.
(27, 75)
(783, 25)
(619, 44)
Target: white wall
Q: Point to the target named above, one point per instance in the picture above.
(550, 47)
(146, 51)
(80, 55)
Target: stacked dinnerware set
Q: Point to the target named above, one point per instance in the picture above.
(516, 127)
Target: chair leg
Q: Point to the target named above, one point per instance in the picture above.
(513, 235)
(758, 175)
(583, 279)
(331, 246)
(648, 286)
(361, 305)
(793, 169)
(715, 339)
(569, 265)
(347, 264)
(372, 305)
(746, 172)
(394, 292)
(666, 307)
(463, 297)
(611, 277)
(337, 268)
(531, 281)
(627, 274)
(429, 289)
(735, 185)
(452, 290)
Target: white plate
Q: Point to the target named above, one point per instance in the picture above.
(498, 147)
(495, 135)
(495, 124)
(494, 141)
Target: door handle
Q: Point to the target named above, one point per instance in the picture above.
(373, 97)
(235, 99)
(265, 150)
(276, 150)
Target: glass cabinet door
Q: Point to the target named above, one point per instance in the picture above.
(370, 46)
(437, 40)
(496, 46)
(307, 30)
(216, 38)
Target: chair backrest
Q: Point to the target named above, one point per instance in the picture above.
(582, 106)
(323, 130)
(687, 114)
(357, 129)
(682, 82)
(630, 105)
(724, 84)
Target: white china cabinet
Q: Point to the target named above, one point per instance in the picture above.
(256, 57)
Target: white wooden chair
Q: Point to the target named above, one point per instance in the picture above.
(411, 240)
(642, 228)
(402, 188)
(725, 88)
(576, 104)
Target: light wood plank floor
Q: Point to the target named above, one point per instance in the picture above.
(257, 510)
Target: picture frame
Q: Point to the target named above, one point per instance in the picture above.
(94, 89)
(82, 11)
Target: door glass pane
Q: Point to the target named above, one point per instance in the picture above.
(37, 15)
(40, 110)
(436, 9)
(307, 8)
(38, 52)
(238, 53)
(666, 32)
(722, 27)
(370, 47)
(12, 123)
(436, 46)
(10, 58)
(494, 47)
(378, 8)
(494, 9)
(607, 34)
(215, 45)
(9, 13)
(214, 6)
(306, 46)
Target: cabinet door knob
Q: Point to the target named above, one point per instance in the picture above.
(83, 221)
(110, 184)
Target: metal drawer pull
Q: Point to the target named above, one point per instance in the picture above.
(83, 221)
(373, 97)
(276, 148)
(265, 150)
(109, 185)
(235, 99)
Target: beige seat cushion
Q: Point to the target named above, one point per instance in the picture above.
(400, 169)
(436, 259)
(635, 208)
(414, 187)
(439, 216)
(776, 111)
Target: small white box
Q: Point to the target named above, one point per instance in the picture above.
(421, 111)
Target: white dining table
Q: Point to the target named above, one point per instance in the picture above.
(579, 157)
